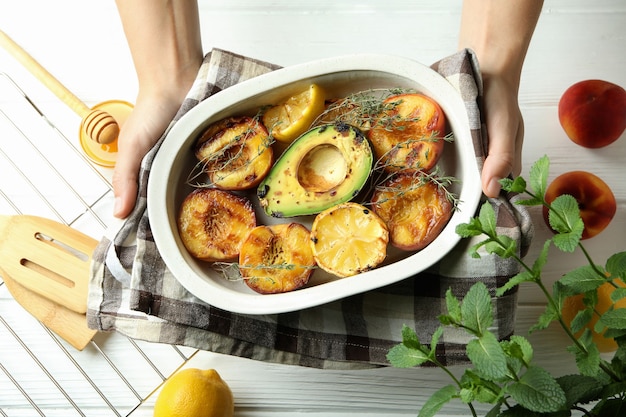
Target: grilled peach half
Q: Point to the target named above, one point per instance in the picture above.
(235, 153)
(277, 258)
(408, 133)
(414, 208)
(214, 223)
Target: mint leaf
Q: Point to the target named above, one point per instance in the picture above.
(551, 313)
(479, 389)
(616, 265)
(453, 306)
(438, 400)
(517, 356)
(471, 229)
(409, 338)
(581, 319)
(588, 361)
(618, 294)
(615, 319)
(548, 316)
(613, 407)
(523, 276)
(525, 348)
(579, 388)
(542, 259)
(503, 246)
(538, 391)
(539, 175)
(476, 309)
(564, 218)
(517, 185)
(581, 280)
(410, 352)
(401, 356)
(487, 217)
(434, 340)
(487, 356)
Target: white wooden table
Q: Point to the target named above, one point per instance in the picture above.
(82, 43)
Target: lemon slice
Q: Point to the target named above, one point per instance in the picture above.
(291, 118)
(348, 239)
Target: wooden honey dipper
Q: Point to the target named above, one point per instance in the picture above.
(98, 125)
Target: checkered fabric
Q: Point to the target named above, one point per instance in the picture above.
(133, 292)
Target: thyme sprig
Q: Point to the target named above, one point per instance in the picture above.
(231, 271)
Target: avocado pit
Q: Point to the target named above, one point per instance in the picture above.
(322, 169)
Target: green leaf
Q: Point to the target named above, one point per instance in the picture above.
(504, 246)
(409, 338)
(614, 407)
(616, 265)
(538, 391)
(550, 314)
(525, 347)
(581, 319)
(476, 309)
(434, 340)
(519, 353)
(618, 294)
(614, 319)
(479, 389)
(401, 356)
(587, 361)
(517, 185)
(542, 259)
(579, 388)
(471, 229)
(438, 400)
(453, 306)
(539, 175)
(581, 280)
(487, 356)
(523, 276)
(487, 217)
(564, 218)
(614, 333)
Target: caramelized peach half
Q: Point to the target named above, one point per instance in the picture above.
(277, 258)
(408, 134)
(235, 153)
(214, 223)
(414, 208)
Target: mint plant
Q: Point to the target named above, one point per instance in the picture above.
(502, 372)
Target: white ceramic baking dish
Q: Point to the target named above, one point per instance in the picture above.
(339, 76)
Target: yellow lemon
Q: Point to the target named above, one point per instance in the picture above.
(291, 118)
(195, 392)
(348, 239)
(572, 305)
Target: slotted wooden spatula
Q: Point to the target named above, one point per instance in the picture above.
(45, 265)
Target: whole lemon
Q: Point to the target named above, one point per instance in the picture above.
(195, 392)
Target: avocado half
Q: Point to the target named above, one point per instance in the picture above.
(327, 165)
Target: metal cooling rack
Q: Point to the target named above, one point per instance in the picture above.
(43, 173)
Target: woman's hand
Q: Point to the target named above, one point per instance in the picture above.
(505, 128)
(142, 130)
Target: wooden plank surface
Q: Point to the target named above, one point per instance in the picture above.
(83, 45)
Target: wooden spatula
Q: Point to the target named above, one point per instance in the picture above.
(45, 265)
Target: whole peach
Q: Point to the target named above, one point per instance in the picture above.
(593, 113)
(595, 199)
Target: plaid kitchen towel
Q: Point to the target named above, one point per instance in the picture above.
(133, 292)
